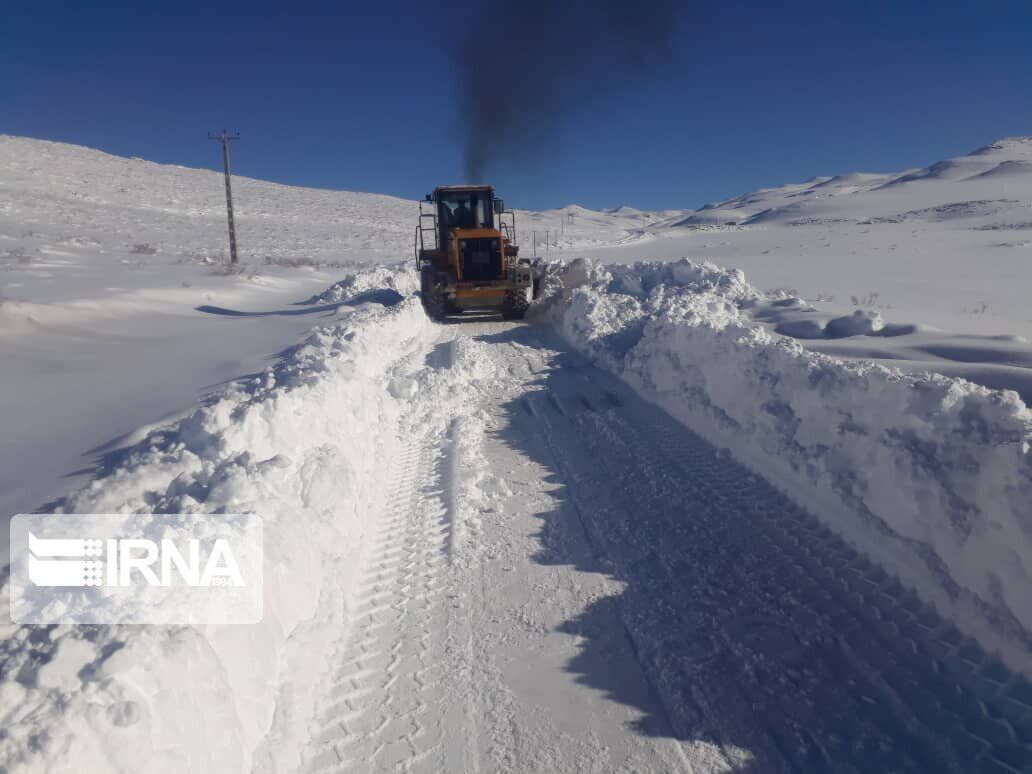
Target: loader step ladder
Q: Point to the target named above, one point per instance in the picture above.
(427, 225)
(507, 225)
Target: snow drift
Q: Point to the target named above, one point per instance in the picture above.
(303, 445)
(930, 476)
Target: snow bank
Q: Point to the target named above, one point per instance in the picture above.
(304, 446)
(377, 284)
(929, 475)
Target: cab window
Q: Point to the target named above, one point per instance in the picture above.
(472, 210)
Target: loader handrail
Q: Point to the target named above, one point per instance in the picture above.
(419, 241)
(508, 229)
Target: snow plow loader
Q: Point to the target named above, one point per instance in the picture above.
(467, 256)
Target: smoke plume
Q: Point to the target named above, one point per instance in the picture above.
(524, 63)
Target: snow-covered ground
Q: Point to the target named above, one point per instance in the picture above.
(945, 251)
(489, 547)
(117, 309)
(104, 261)
(928, 475)
(947, 245)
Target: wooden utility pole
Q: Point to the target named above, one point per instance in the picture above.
(225, 140)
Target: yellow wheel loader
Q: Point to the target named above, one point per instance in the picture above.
(466, 254)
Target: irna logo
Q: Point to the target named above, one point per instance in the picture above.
(136, 568)
(122, 562)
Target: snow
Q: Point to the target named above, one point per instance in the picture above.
(117, 311)
(107, 261)
(945, 246)
(928, 475)
(483, 549)
(302, 445)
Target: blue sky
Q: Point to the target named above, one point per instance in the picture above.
(338, 95)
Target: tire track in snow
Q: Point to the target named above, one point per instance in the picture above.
(399, 698)
(758, 630)
(382, 709)
(759, 627)
(932, 692)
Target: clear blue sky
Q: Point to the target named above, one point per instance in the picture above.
(755, 93)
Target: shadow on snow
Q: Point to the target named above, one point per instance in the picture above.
(754, 626)
(384, 296)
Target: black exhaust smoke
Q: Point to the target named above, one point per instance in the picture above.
(523, 63)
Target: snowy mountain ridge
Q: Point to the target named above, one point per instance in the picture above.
(972, 177)
(61, 172)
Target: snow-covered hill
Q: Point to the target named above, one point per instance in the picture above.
(977, 186)
(939, 258)
(948, 246)
(60, 196)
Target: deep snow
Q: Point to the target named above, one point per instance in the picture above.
(930, 476)
(117, 310)
(300, 444)
(483, 553)
(326, 396)
(945, 250)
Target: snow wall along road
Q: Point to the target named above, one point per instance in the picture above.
(304, 445)
(930, 476)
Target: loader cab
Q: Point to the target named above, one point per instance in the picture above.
(466, 220)
(465, 208)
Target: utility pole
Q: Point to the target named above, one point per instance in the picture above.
(546, 240)
(225, 140)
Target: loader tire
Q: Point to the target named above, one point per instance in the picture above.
(515, 305)
(433, 304)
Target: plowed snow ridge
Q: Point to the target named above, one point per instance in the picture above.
(929, 475)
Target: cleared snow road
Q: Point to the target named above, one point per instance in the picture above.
(569, 580)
